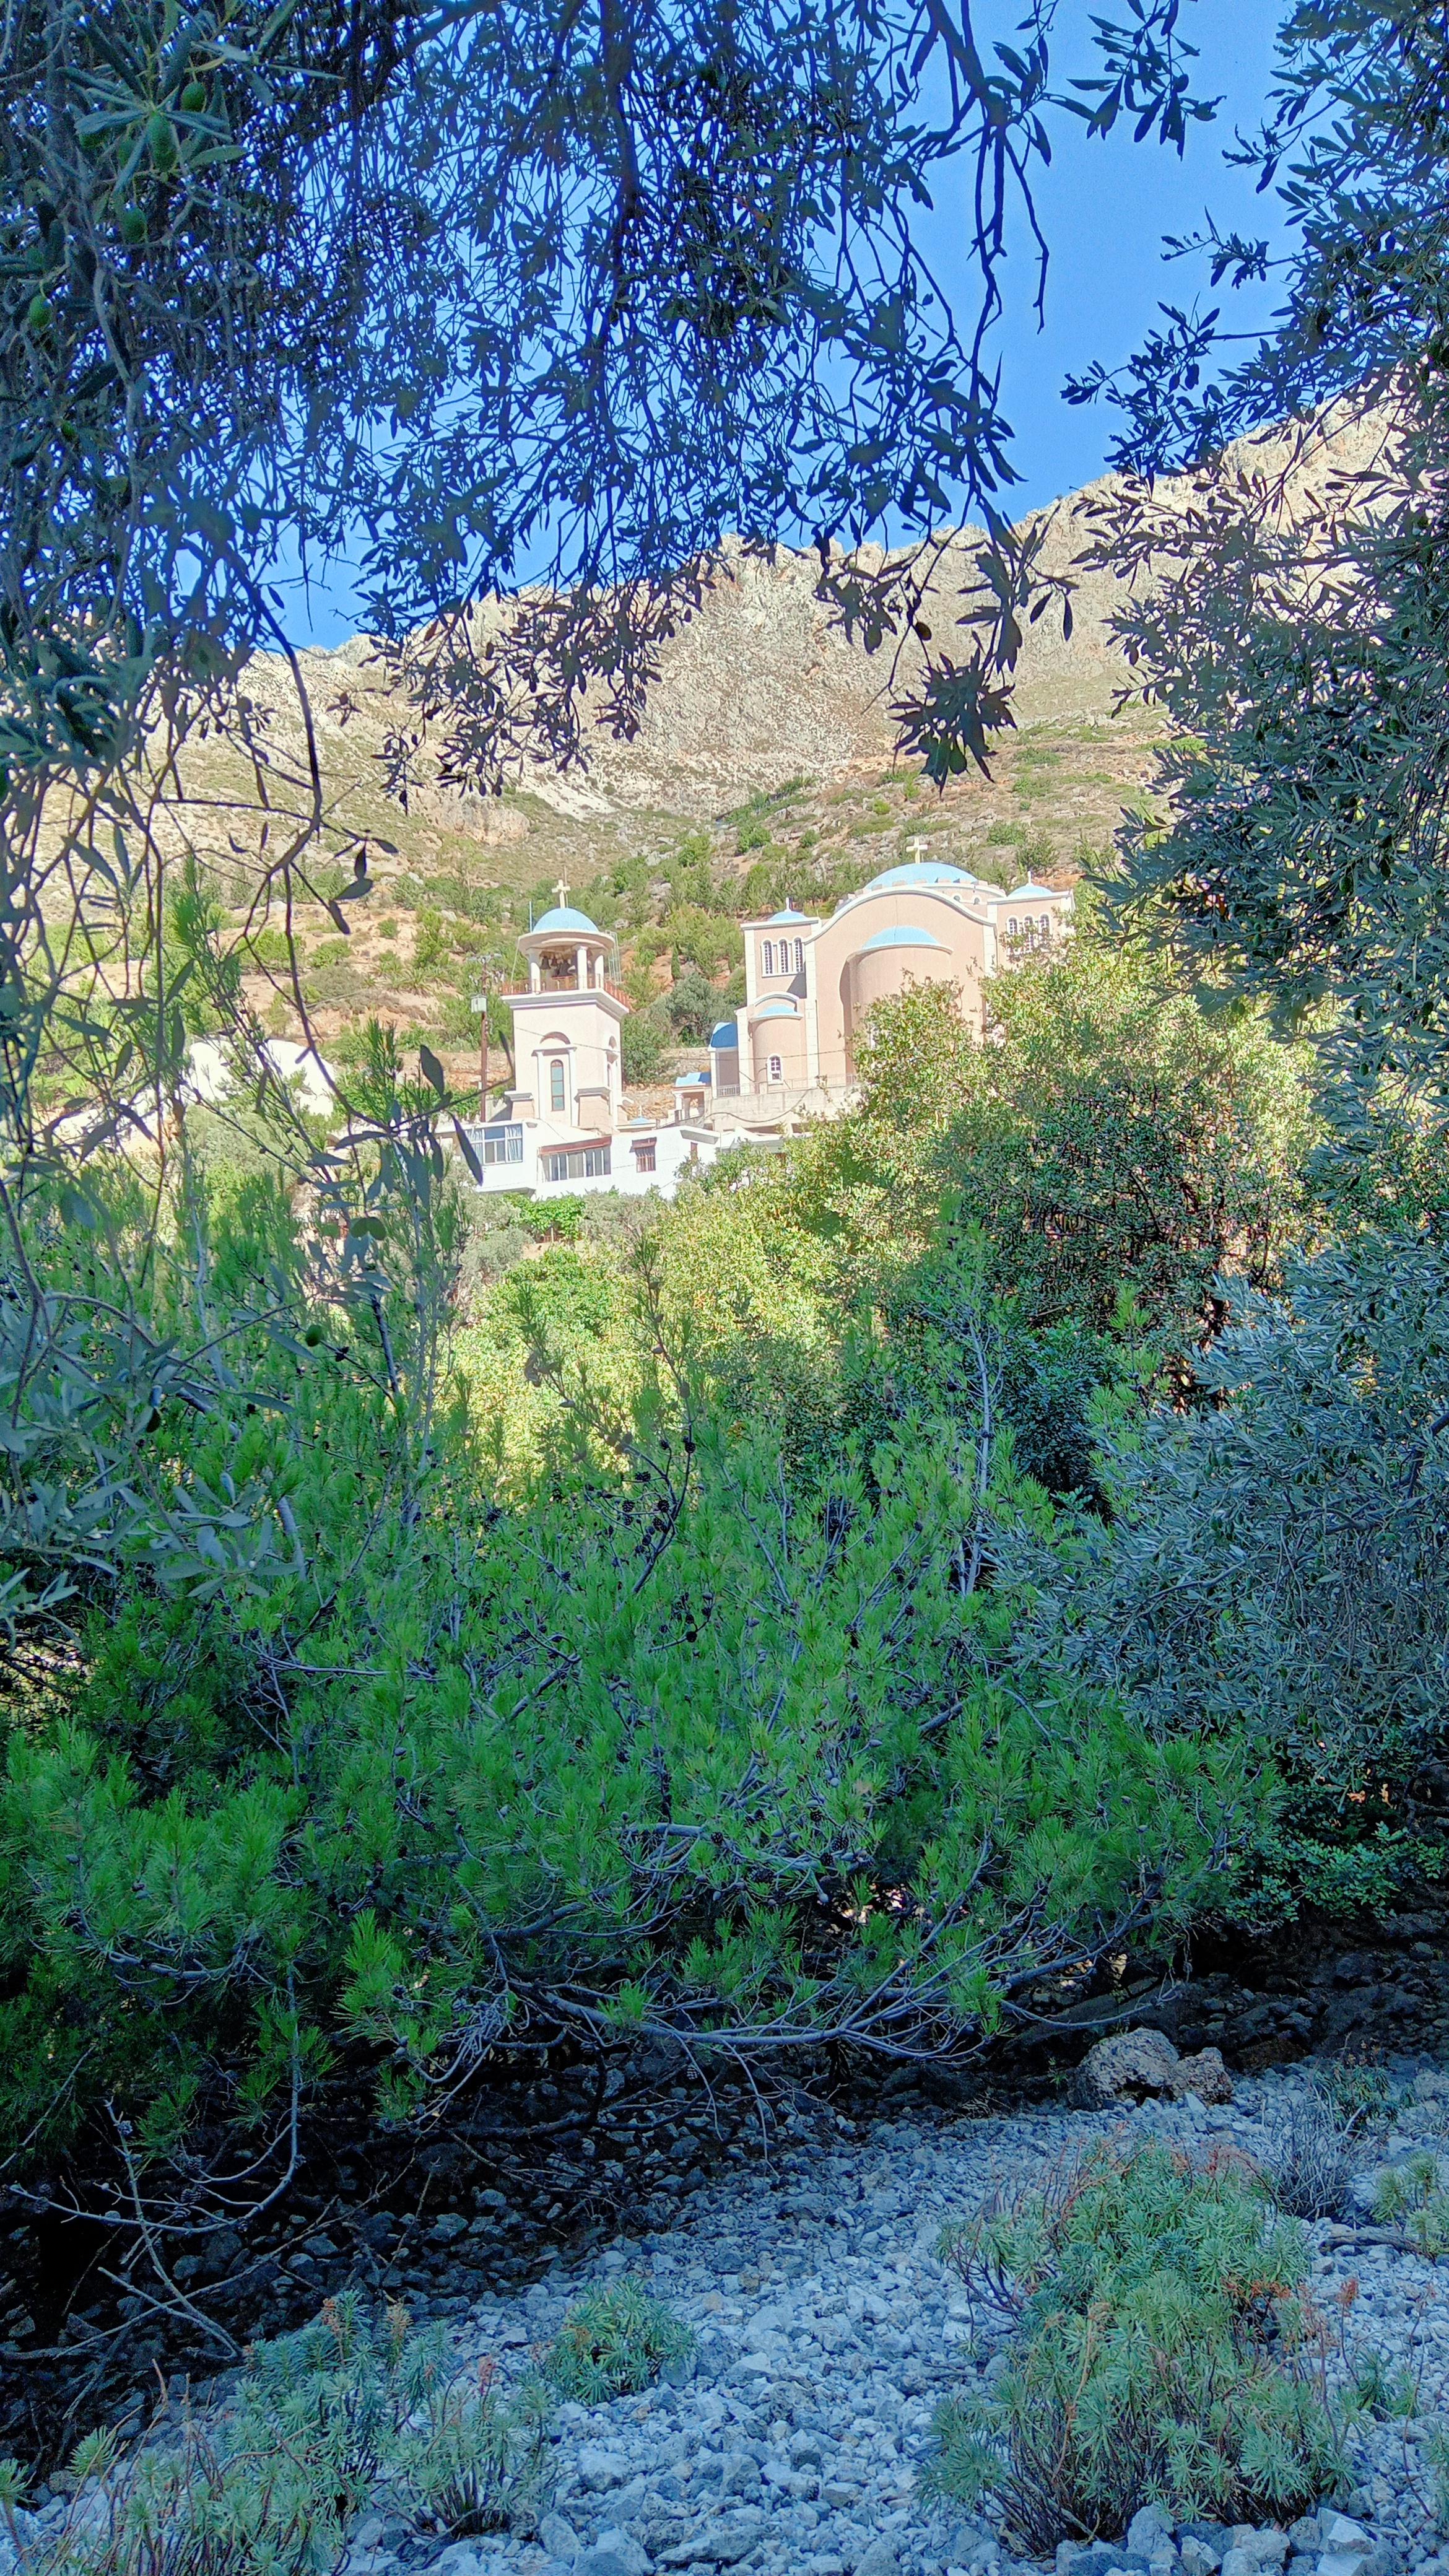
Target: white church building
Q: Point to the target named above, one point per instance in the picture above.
(561, 1128)
(787, 1054)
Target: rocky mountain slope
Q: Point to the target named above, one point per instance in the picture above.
(766, 766)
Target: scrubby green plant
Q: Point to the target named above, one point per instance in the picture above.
(613, 2343)
(1164, 2352)
(1412, 2196)
(352, 2413)
(1307, 2160)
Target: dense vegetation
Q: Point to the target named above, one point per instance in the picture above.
(926, 1568)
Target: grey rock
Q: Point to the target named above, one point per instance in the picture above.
(614, 2553)
(467, 2558)
(879, 2559)
(602, 2466)
(1100, 2558)
(559, 2537)
(1239, 2562)
(1305, 2536)
(1126, 2068)
(1147, 2526)
(1269, 2547)
(1342, 2534)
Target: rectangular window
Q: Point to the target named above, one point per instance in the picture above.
(776, 1069)
(502, 1144)
(555, 1085)
(644, 1158)
(578, 1163)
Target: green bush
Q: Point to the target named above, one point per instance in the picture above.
(351, 2415)
(671, 1749)
(1278, 1556)
(1163, 2354)
(1412, 2196)
(615, 2342)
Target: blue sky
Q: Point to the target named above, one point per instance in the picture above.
(1105, 206)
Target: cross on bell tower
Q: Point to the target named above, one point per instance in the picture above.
(561, 889)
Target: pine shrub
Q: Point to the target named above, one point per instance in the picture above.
(1164, 2352)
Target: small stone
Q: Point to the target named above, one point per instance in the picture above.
(559, 2537)
(1341, 2533)
(1306, 2535)
(464, 2558)
(878, 2560)
(1204, 2075)
(1269, 2547)
(613, 2554)
(1147, 2526)
(601, 2467)
(1239, 2562)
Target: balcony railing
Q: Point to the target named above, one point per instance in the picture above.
(564, 984)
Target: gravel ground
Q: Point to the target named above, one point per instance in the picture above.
(827, 2330)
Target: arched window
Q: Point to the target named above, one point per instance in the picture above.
(1011, 926)
(769, 957)
(1046, 925)
(556, 1097)
(799, 956)
(776, 1069)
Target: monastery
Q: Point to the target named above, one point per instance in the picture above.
(788, 1052)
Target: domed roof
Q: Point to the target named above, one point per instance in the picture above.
(789, 914)
(776, 1010)
(1018, 893)
(725, 1034)
(565, 916)
(907, 936)
(923, 872)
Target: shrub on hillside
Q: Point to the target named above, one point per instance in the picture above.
(1162, 2354)
(643, 1041)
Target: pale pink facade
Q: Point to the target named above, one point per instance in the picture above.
(810, 982)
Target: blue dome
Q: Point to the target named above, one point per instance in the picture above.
(1020, 893)
(790, 914)
(780, 1010)
(565, 917)
(906, 937)
(725, 1036)
(923, 872)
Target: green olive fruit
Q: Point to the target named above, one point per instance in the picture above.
(39, 314)
(193, 98)
(133, 227)
(161, 142)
